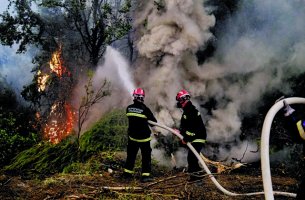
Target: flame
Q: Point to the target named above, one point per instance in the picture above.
(56, 66)
(60, 124)
(61, 118)
(42, 81)
(56, 63)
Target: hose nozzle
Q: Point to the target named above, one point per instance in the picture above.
(287, 108)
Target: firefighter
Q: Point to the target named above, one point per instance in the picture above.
(193, 130)
(139, 136)
(296, 126)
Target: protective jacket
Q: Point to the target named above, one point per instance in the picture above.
(191, 125)
(296, 127)
(138, 115)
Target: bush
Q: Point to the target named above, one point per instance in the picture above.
(12, 142)
(108, 133)
(44, 159)
(17, 125)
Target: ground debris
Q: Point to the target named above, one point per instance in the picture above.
(167, 186)
(222, 167)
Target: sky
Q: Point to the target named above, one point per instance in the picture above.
(3, 4)
(15, 68)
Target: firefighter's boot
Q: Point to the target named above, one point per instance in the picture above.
(126, 176)
(145, 179)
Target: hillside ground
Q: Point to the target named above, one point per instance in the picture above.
(167, 184)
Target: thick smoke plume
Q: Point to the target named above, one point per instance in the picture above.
(172, 35)
(260, 46)
(259, 49)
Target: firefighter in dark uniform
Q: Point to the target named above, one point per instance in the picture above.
(139, 136)
(296, 126)
(193, 130)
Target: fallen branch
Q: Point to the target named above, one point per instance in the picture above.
(220, 166)
(134, 189)
(162, 180)
(81, 196)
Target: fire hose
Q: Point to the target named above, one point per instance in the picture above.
(210, 175)
(265, 162)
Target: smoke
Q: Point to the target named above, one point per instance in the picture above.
(114, 69)
(16, 68)
(172, 34)
(261, 45)
(159, 154)
(260, 48)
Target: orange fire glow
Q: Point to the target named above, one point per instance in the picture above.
(61, 118)
(56, 63)
(42, 81)
(60, 123)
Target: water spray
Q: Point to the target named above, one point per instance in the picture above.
(121, 66)
(210, 175)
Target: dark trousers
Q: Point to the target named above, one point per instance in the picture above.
(132, 150)
(193, 165)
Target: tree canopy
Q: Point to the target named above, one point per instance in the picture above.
(71, 36)
(92, 24)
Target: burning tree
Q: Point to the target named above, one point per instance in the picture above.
(76, 30)
(58, 119)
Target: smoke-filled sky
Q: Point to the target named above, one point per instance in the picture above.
(260, 45)
(15, 68)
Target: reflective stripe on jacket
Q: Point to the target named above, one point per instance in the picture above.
(192, 127)
(138, 115)
(300, 127)
(142, 140)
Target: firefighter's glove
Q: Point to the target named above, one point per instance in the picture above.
(182, 143)
(155, 131)
(287, 109)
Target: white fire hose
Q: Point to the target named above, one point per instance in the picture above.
(209, 172)
(265, 162)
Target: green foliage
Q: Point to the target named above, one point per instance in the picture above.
(96, 22)
(108, 133)
(17, 131)
(12, 143)
(26, 27)
(95, 164)
(44, 159)
(79, 168)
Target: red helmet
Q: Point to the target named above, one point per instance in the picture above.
(183, 95)
(139, 94)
